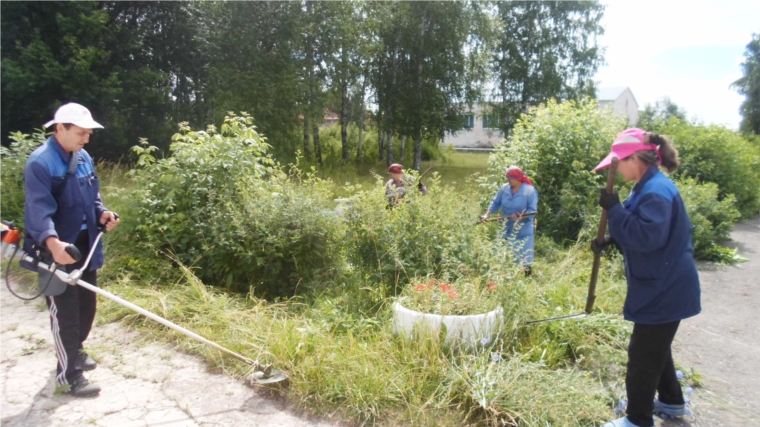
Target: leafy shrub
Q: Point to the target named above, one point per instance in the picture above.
(557, 145)
(13, 161)
(421, 236)
(712, 219)
(716, 154)
(220, 203)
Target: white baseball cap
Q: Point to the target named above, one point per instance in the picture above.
(76, 115)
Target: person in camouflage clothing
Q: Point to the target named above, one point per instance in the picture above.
(396, 187)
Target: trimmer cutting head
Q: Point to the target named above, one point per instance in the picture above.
(266, 376)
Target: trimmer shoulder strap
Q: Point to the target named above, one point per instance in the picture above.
(73, 163)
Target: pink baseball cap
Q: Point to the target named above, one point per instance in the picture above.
(626, 143)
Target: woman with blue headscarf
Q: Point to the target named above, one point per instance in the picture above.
(518, 202)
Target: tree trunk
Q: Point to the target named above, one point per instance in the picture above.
(389, 146)
(389, 113)
(361, 121)
(343, 104)
(306, 146)
(344, 122)
(380, 136)
(418, 133)
(317, 145)
(403, 148)
(418, 152)
(361, 135)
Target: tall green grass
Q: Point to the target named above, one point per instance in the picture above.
(345, 360)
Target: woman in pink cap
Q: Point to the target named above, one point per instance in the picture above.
(517, 200)
(653, 231)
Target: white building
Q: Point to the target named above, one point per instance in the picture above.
(482, 131)
(621, 100)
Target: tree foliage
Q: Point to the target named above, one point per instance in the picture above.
(145, 67)
(133, 64)
(53, 53)
(655, 117)
(749, 86)
(547, 49)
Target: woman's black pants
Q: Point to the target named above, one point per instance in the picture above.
(650, 370)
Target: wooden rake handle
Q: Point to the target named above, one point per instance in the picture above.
(599, 239)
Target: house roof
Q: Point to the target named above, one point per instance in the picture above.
(609, 93)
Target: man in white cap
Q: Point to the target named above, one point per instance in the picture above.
(63, 207)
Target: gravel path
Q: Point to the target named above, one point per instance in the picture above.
(723, 342)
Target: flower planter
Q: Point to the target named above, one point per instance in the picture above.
(469, 330)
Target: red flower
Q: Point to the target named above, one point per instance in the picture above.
(420, 287)
(491, 286)
(431, 284)
(445, 287)
(452, 293)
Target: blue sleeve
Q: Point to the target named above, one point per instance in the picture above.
(99, 208)
(645, 229)
(533, 201)
(496, 203)
(40, 205)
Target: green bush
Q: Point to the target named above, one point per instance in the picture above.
(716, 154)
(557, 145)
(712, 219)
(221, 204)
(13, 161)
(422, 236)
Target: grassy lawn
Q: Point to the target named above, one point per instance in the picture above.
(457, 169)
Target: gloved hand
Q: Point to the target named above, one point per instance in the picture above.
(420, 186)
(598, 248)
(483, 218)
(607, 201)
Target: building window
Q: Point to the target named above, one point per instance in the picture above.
(468, 121)
(491, 121)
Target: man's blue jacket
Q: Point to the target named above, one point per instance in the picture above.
(77, 206)
(653, 231)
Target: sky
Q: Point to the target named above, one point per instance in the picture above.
(690, 51)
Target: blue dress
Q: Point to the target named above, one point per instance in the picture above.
(524, 200)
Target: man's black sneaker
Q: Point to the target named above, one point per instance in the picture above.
(86, 362)
(82, 388)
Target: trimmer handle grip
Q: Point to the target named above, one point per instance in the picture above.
(74, 252)
(102, 227)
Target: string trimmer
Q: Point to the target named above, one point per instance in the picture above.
(263, 374)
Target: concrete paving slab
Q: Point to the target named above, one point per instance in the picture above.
(143, 383)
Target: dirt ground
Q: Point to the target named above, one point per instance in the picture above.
(722, 344)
